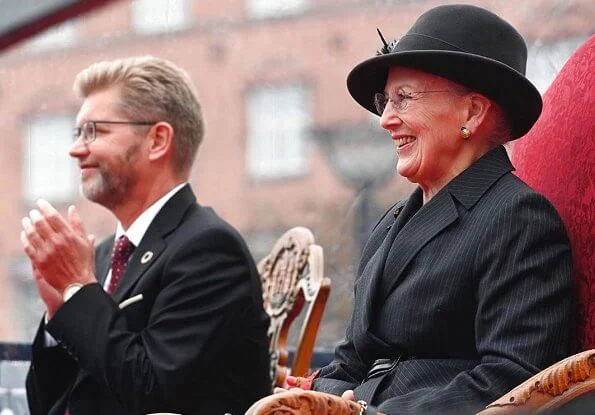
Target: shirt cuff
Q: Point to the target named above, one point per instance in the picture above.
(49, 339)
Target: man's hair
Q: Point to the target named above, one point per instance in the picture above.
(151, 89)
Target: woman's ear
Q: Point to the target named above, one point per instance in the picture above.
(161, 143)
(477, 110)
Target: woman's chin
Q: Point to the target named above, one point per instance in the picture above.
(406, 169)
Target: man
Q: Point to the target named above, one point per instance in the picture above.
(178, 325)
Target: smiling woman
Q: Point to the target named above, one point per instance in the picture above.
(453, 280)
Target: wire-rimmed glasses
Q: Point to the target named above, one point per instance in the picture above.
(88, 130)
(400, 102)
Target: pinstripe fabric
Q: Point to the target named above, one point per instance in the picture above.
(472, 288)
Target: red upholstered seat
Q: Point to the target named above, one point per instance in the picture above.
(557, 158)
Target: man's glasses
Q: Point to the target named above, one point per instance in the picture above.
(88, 131)
(400, 102)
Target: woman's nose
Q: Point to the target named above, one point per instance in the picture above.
(389, 118)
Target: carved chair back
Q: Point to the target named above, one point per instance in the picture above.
(292, 277)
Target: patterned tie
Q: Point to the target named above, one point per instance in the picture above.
(122, 251)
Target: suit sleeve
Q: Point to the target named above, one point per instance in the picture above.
(51, 372)
(346, 371)
(523, 282)
(205, 284)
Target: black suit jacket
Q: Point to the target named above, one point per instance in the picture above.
(195, 344)
(471, 292)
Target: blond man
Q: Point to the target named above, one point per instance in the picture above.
(166, 314)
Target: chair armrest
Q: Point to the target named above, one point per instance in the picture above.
(550, 388)
(302, 402)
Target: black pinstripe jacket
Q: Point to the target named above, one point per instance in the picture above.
(471, 293)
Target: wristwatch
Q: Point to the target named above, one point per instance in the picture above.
(71, 290)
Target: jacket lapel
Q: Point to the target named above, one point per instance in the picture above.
(431, 219)
(440, 212)
(167, 220)
(153, 242)
(103, 259)
(371, 272)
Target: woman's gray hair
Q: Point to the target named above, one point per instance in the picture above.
(152, 89)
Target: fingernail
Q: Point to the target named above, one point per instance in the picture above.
(44, 204)
(35, 214)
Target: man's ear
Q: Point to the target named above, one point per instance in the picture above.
(161, 140)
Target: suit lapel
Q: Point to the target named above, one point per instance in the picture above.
(440, 212)
(167, 220)
(371, 272)
(431, 219)
(103, 259)
(413, 229)
(153, 242)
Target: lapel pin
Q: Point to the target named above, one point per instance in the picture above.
(146, 257)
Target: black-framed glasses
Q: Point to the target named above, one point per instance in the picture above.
(88, 130)
(400, 102)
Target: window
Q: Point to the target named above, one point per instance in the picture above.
(546, 59)
(274, 8)
(61, 36)
(157, 16)
(278, 121)
(50, 173)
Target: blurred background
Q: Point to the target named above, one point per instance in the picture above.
(285, 145)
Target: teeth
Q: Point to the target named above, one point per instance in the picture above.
(404, 140)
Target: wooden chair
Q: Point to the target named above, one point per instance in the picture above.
(298, 402)
(557, 159)
(292, 277)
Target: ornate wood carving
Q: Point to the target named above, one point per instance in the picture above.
(299, 402)
(292, 276)
(550, 388)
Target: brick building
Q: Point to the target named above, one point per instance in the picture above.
(270, 74)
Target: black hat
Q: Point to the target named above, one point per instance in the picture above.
(466, 44)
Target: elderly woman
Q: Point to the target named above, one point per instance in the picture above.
(463, 290)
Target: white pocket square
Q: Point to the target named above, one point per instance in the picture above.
(131, 300)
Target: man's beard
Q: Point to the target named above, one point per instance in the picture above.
(113, 183)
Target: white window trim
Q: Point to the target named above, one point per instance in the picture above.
(263, 9)
(175, 16)
(271, 119)
(49, 172)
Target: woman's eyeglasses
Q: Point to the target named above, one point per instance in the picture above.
(400, 102)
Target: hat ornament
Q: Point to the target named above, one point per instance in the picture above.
(388, 47)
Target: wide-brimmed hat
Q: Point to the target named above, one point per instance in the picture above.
(466, 44)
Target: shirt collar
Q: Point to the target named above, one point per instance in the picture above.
(139, 227)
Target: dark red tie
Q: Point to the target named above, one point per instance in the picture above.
(122, 251)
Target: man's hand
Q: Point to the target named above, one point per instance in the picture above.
(51, 297)
(60, 250)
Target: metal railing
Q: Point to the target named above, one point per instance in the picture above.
(14, 363)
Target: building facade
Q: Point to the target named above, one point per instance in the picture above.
(270, 75)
